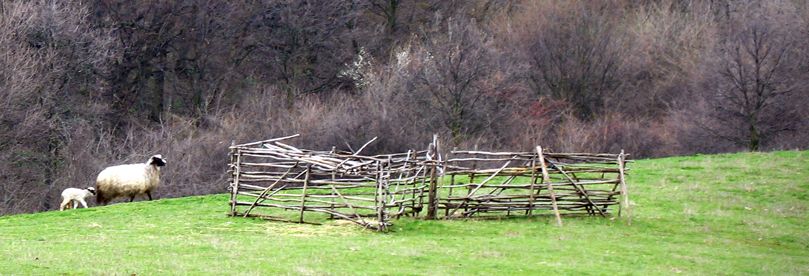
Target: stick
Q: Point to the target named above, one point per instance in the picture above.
(303, 193)
(481, 184)
(266, 141)
(235, 188)
(432, 199)
(533, 182)
(268, 188)
(579, 189)
(350, 207)
(546, 178)
(624, 190)
(363, 146)
(380, 196)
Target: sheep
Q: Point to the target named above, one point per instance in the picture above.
(129, 180)
(71, 197)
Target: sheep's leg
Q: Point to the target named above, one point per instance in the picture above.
(102, 199)
(131, 198)
(64, 203)
(83, 203)
(149, 194)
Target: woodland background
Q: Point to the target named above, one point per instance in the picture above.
(88, 84)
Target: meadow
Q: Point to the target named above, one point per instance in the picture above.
(742, 213)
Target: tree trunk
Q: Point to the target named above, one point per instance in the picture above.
(157, 82)
(393, 5)
(755, 138)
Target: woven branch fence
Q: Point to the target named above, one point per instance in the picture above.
(276, 181)
(367, 190)
(477, 183)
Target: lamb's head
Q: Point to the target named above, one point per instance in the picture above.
(91, 190)
(157, 160)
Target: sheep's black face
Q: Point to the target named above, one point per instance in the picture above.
(158, 161)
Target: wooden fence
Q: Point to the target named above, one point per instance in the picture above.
(271, 176)
(273, 180)
(477, 183)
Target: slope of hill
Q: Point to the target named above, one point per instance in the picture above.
(712, 214)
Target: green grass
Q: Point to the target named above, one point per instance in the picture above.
(710, 214)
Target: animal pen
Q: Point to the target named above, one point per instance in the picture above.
(367, 190)
(273, 180)
(478, 183)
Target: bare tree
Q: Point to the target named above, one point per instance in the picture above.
(459, 77)
(574, 53)
(757, 76)
(49, 86)
(148, 32)
(388, 10)
(303, 45)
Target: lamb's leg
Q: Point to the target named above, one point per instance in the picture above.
(149, 194)
(131, 198)
(83, 203)
(64, 203)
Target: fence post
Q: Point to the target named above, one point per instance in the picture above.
(234, 185)
(303, 192)
(379, 199)
(432, 201)
(624, 191)
(547, 180)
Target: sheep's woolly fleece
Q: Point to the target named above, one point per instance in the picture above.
(76, 196)
(129, 180)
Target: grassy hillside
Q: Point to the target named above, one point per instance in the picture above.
(717, 214)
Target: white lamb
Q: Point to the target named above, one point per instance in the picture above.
(129, 180)
(75, 196)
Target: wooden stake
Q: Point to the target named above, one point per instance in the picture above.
(624, 190)
(547, 179)
(432, 200)
(235, 188)
(533, 182)
(471, 179)
(303, 193)
(380, 196)
(432, 194)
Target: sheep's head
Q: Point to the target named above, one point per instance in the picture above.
(91, 190)
(157, 160)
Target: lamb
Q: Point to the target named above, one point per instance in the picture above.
(74, 196)
(129, 180)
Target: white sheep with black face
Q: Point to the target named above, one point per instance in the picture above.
(129, 180)
(72, 197)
